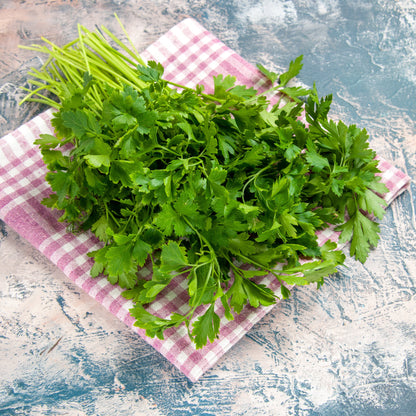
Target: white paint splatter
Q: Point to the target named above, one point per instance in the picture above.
(279, 13)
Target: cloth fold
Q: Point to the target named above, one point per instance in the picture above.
(190, 55)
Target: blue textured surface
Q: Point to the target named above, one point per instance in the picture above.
(348, 349)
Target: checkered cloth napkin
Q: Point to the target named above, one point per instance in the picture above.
(190, 55)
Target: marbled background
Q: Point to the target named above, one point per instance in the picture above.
(347, 349)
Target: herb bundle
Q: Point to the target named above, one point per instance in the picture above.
(220, 187)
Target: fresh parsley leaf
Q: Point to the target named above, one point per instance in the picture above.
(173, 257)
(294, 69)
(206, 327)
(150, 73)
(270, 75)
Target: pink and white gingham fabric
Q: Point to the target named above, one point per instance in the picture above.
(191, 55)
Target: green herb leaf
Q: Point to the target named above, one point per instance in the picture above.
(206, 327)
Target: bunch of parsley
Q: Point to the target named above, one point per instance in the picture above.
(221, 188)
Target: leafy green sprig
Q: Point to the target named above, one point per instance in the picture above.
(217, 189)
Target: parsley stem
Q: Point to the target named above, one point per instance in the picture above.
(69, 63)
(166, 149)
(204, 287)
(251, 261)
(108, 211)
(135, 55)
(82, 47)
(254, 178)
(42, 100)
(55, 72)
(111, 63)
(207, 243)
(207, 96)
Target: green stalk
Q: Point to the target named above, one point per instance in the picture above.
(82, 48)
(94, 88)
(128, 38)
(110, 59)
(135, 56)
(42, 100)
(91, 52)
(100, 44)
(55, 72)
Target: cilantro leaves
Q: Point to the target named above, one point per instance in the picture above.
(213, 189)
